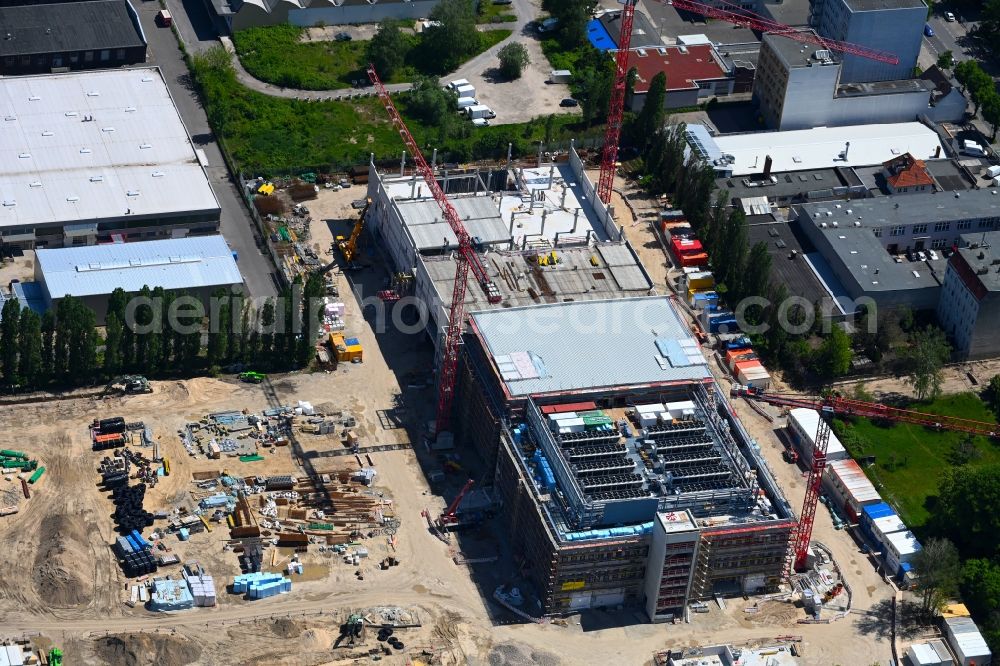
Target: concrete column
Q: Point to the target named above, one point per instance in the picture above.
(434, 159)
(552, 171)
(510, 150)
(545, 213)
(445, 179)
(562, 201)
(413, 184)
(539, 154)
(576, 216)
(402, 163)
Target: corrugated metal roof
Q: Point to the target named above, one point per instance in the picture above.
(181, 263)
(808, 421)
(68, 26)
(590, 344)
(853, 478)
(965, 638)
(92, 145)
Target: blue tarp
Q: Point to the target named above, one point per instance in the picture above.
(599, 36)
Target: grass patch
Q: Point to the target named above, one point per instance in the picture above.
(910, 459)
(275, 55)
(271, 136)
(490, 13)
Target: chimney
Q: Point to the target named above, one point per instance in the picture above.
(767, 166)
(937, 152)
(847, 148)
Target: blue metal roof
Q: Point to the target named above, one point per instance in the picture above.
(599, 37)
(177, 263)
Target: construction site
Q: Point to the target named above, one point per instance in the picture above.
(547, 471)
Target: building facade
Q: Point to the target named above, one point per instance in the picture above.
(905, 174)
(90, 34)
(800, 86)
(694, 73)
(891, 26)
(969, 311)
(242, 14)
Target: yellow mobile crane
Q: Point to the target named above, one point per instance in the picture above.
(349, 246)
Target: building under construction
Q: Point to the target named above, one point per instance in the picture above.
(625, 477)
(542, 234)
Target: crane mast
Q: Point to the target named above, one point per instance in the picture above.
(467, 259)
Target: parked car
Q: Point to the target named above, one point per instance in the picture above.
(928, 30)
(164, 19)
(933, 255)
(480, 122)
(342, 37)
(569, 101)
(503, 2)
(949, 17)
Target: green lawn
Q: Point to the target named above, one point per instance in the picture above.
(490, 13)
(276, 55)
(910, 459)
(271, 136)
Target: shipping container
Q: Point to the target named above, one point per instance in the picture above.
(802, 426)
(755, 377)
(568, 407)
(849, 487)
(885, 526)
(899, 548)
(967, 642)
(700, 280)
(870, 513)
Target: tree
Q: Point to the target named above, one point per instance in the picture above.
(976, 82)
(980, 588)
(968, 509)
(113, 331)
(428, 103)
(387, 49)
(454, 36)
(513, 59)
(991, 112)
(834, 355)
(48, 344)
(927, 354)
(219, 329)
(652, 114)
(938, 572)
(945, 60)
(993, 394)
(311, 292)
(9, 325)
(757, 276)
(29, 342)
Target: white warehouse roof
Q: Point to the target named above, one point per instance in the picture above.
(821, 147)
(180, 263)
(590, 344)
(86, 146)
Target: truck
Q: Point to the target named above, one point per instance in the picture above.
(466, 102)
(972, 148)
(992, 172)
(456, 84)
(560, 76)
(465, 91)
(479, 111)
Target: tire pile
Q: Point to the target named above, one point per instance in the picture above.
(385, 636)
(114, 473)
(129, 514)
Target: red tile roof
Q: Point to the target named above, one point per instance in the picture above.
(905, 171)
(682, 69)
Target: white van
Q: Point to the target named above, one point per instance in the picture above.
(466, 90)
(972, 148)
(456, 84)
(465, 102)
(993, 172)
(479, 111)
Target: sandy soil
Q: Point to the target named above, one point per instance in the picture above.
(73, 595)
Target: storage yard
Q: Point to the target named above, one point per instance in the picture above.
(291, 517)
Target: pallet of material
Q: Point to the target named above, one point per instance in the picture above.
(204, 476)
(292, 539)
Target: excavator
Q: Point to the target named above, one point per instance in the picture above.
(129, 385)
(349, 246)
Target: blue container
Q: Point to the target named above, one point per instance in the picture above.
(870, 514)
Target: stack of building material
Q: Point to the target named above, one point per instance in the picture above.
(261, 585)
(202, 589)
(170, 595)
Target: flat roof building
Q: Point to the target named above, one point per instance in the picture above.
(969, 310)
(869, 246)
(593, 504)
(822, 147)
(543, 233)
(91, 156)
(198, 265)
(89, 34)
(800, 86)
(693, 73)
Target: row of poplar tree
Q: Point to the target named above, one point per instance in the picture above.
(64, 346)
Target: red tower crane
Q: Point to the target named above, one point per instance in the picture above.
(728, 12)
(831, 405)
(467, 258)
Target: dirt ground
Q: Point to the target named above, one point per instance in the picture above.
(74, 590)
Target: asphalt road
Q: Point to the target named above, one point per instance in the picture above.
(237, 227)
(946, 38)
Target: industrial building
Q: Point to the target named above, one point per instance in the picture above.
(198, 266)
(800, 86)
(242, 14)
(868, 248)
(891, 26)
(543, 234)
(89, 157)
(625, 476)
(969, 309)
(64, 36)
(780, 153)
(694, 73)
